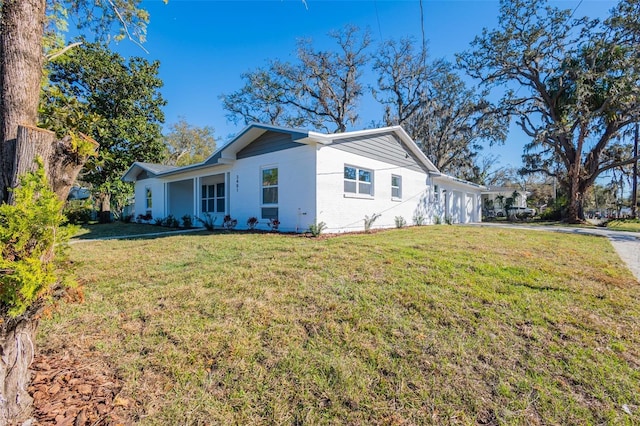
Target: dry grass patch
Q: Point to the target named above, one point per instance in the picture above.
(425, 325)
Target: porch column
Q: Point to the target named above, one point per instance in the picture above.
(196, 199)
(227, 184)
(166, 199)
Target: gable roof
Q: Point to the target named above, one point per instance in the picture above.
(151, 168)
(228, 152)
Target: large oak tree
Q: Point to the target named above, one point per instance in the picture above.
(447, 119)
(321, 89)
(574, 86)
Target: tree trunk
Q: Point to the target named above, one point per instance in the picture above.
(20, 76)
(61, 161)
(17, 339)
(634, 184)
(104, 202)
(575, 197)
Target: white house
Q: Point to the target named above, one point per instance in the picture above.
(302, 177)
(496, 198)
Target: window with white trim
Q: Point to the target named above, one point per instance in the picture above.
(396, 186)
(358, 180)
(269, 193)
(213, 198)
(148, 199)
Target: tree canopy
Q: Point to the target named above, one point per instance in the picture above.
(448, 120)
(575, 86)
(116, 101)
(188, 144)
(321, 89)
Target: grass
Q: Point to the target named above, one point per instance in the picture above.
(632, 225)
(118, 229)
(420, 325)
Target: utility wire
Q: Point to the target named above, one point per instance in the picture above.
(375, 3)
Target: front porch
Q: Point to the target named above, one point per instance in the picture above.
(197, 197)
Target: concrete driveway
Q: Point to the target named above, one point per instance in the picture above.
(626, 244)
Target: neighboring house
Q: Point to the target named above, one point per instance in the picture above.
(495, 199)
(79, 193)
(302, 177)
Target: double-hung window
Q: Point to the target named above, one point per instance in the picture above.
(396, 187)
(213, 198)
(358, 180)
(270, 193)
(148, 199)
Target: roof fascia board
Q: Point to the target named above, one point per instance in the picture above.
(461, 181)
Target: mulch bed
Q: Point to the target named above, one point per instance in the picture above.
(71, 392)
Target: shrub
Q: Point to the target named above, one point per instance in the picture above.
(77, 211)
(274, 224)
(400, 222)
(552, 213)
(209, 222)
(142, 218)
(317, 228)
(368, 221)
(158, 221)
(252, 222)
(437, 220)
(171, 222)
(229, 223)
(30, 236)
(127, 218)
(418, 219)
(187, 222)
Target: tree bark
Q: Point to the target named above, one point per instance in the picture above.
(634, 184)
(17, 339)
(61, 161)
(17, 335)
(573, 207)
(20, 76)
(104, 202)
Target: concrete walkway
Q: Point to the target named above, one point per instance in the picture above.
(626, 244)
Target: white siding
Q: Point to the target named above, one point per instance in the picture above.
(157, 194)
(343, 212)
(296, 188)
(460, 203)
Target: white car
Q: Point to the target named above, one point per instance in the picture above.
(526, 211)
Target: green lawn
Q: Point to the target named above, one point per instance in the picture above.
(422, 325)
(632, 225)
(119, 229)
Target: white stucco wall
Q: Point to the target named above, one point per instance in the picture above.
(459, 203)
(157, 197)
(343, 212)
(296, 181)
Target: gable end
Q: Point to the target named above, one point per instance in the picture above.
(268, 142)
(387, 148)
(143, 175)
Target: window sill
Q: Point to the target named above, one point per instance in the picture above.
(396, 199)
(360, 196)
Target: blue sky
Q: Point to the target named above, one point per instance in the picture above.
(205, 45)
